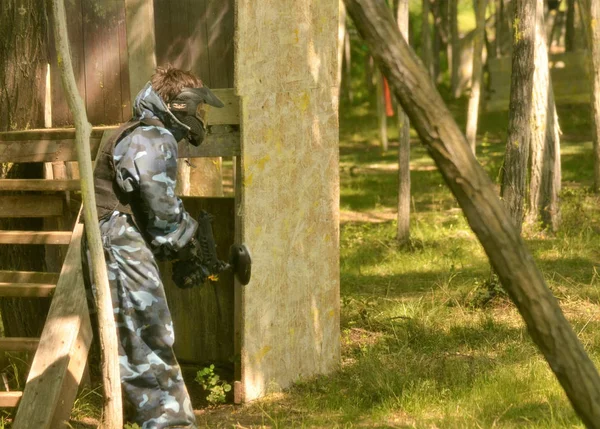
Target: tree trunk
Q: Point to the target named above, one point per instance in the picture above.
(340, 45)
(348, 67)
(516, 157)
(23, 63)
(545, 141)
(475, 96)
(591, 20)
(113, 409)
(403, 226)
(483, 209)
(570, 30)
(426, 53)
(455, 42)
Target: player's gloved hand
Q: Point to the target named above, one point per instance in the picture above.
(190, 273)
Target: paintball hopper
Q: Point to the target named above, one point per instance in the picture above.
(241, 263)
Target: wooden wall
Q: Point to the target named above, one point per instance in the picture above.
(99, 51)
(197, 35)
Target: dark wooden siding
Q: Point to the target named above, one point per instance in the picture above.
(99, 51)
(197, 35)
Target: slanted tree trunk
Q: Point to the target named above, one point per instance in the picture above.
(475, 96)
(516, 157)
(426, 48)
(113, 409)
(348, 67)
(483, 209)
(591, 21)
(403, 226)
(455, 42)
(570, 27)
(545, 142)
(23, 62)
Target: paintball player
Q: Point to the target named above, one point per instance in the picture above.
(141, 219)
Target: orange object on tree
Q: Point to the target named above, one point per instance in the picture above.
(389, 107)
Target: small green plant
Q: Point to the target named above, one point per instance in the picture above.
(131, 426)
(212, 383)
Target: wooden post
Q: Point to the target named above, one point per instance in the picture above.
(113, 416)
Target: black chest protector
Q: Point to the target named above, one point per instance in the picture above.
(109, 197)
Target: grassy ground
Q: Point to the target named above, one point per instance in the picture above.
(422, 345)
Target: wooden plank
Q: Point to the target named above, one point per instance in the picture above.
(228, 115)
(18, 344)
(220, 48)
(38, 185)
(199, 39)
(124, 64)
(26, 290)
(28, 276)
(203, 316)
(58, 365)
(140, 43)
(162, 31)
(35, 237)
(31, 206)
(217, 144)
(94, 48)
(50, 134)
(10, 399)
(111, 62)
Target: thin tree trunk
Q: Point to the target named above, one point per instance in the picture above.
(483, 209)
(570, 30)
(426, 53)
(455, 42)
(381, 114)
(516, 157)
(403, 226)
(591, 20)
(23, 67)
(475, 96)
(545, 141)
(113, 414)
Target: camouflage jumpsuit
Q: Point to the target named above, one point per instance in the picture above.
(154, 393)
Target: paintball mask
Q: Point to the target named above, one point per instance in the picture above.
(190, 108)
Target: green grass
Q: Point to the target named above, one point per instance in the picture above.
(419, 350)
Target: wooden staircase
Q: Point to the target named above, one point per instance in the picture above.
(61, 351)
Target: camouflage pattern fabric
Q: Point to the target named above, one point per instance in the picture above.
(154, 392)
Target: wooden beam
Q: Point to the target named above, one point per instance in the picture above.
(58, 365)
(19, 344)
(10, 399)
(35, 237)
(41, 150)
(31, 206)
(28, 277)
(38, 185)
(223, 143)
(26, 290)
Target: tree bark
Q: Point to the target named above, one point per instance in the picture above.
(403, 226)
(570, 27)
(475, 96)
(113, 413)
(23, 62)
(483, 209)
(340, 44)
(516, 157)
(455, 42)
(591, 13)
(426, 52)
(545, 142)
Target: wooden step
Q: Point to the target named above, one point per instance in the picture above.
(26, 290)
(19, 344)
(38, 185)
(31, 206)
(10, 399)
(28, 277)
(35, 237)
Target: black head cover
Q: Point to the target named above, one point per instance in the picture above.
(189, 98)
